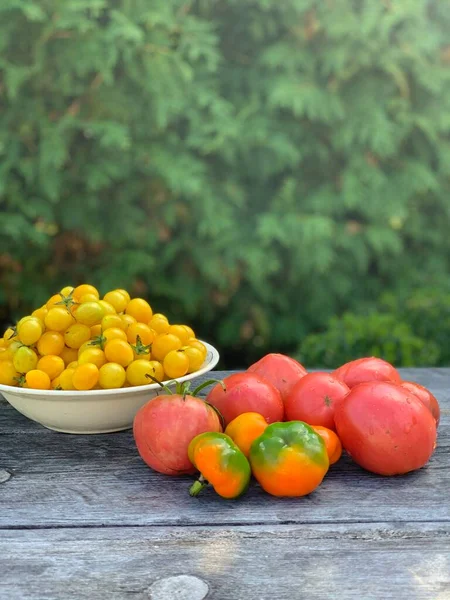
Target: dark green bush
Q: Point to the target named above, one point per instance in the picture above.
(427, 312)
(354, 336)
(254, 167)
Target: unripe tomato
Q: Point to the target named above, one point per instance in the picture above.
(29, 331)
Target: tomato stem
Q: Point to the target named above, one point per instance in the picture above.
(198, 486)
(20, 380)
(163, 385)
(141, 348)
(99, 340)
(207, 383)
(67, 301)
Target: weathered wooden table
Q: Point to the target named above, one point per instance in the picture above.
(83, 517)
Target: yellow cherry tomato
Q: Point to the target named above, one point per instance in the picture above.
(51, 342)
(93, 355)
(194, 343)
(181, 332)
(109, 321)
(89, 313)
(73, 364)
(127, 320)
(66, 379)
(190, 332)
(163, 344)
(107, 307)
(196, 358)
(38, 380)
(52, 365)
(85, 377)
(25, 359)
(140, 309)
(56, 383)
(8, 373)
(84, 347)
(119, 351)
(54, 301)
(140, 372)
(142, 330)
(117, 299)
(113, 333)
(9, 336)
(40, 313)
(76, 335)
(29, 331)
(158, 370)
(69, 354)
(159, 323)
(83, 289)
(88, 298)
(96, 330)
(66, 291)
(111, 376)
(176, 364)
(125, 293)
(6, 354)
(58, 319)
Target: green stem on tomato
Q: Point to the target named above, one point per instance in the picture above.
(207, 383)
(198, 486)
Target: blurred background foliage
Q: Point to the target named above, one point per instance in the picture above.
(275, 173)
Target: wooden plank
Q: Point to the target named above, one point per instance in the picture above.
(379, 561)
(52, 479)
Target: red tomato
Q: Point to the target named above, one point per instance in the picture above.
(313, 399)
(385, 428)
(281, 371)
(426, 397)
(246, 392)
(366, 369)
(165, 426)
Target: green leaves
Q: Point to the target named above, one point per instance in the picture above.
(256, 167)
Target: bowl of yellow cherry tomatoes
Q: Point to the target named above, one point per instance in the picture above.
(85, 364)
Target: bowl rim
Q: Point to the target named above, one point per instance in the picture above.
(212, 358)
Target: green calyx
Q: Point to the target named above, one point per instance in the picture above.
(184, 389)
(139, 348)
(279, 438)
(67, 301)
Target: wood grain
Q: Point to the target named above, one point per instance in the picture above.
(373, 562)
(82, 517)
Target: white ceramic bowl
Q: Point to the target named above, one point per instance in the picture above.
(95, 411)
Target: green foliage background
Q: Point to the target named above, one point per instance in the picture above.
(253, 167)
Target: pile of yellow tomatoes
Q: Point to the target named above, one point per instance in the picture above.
(79, 341)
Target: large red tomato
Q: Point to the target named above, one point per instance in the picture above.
(280, 370)
(313, 399)
(366, 369)
(426, 397)
(165, 426)
(385, 428)
(246, 392)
